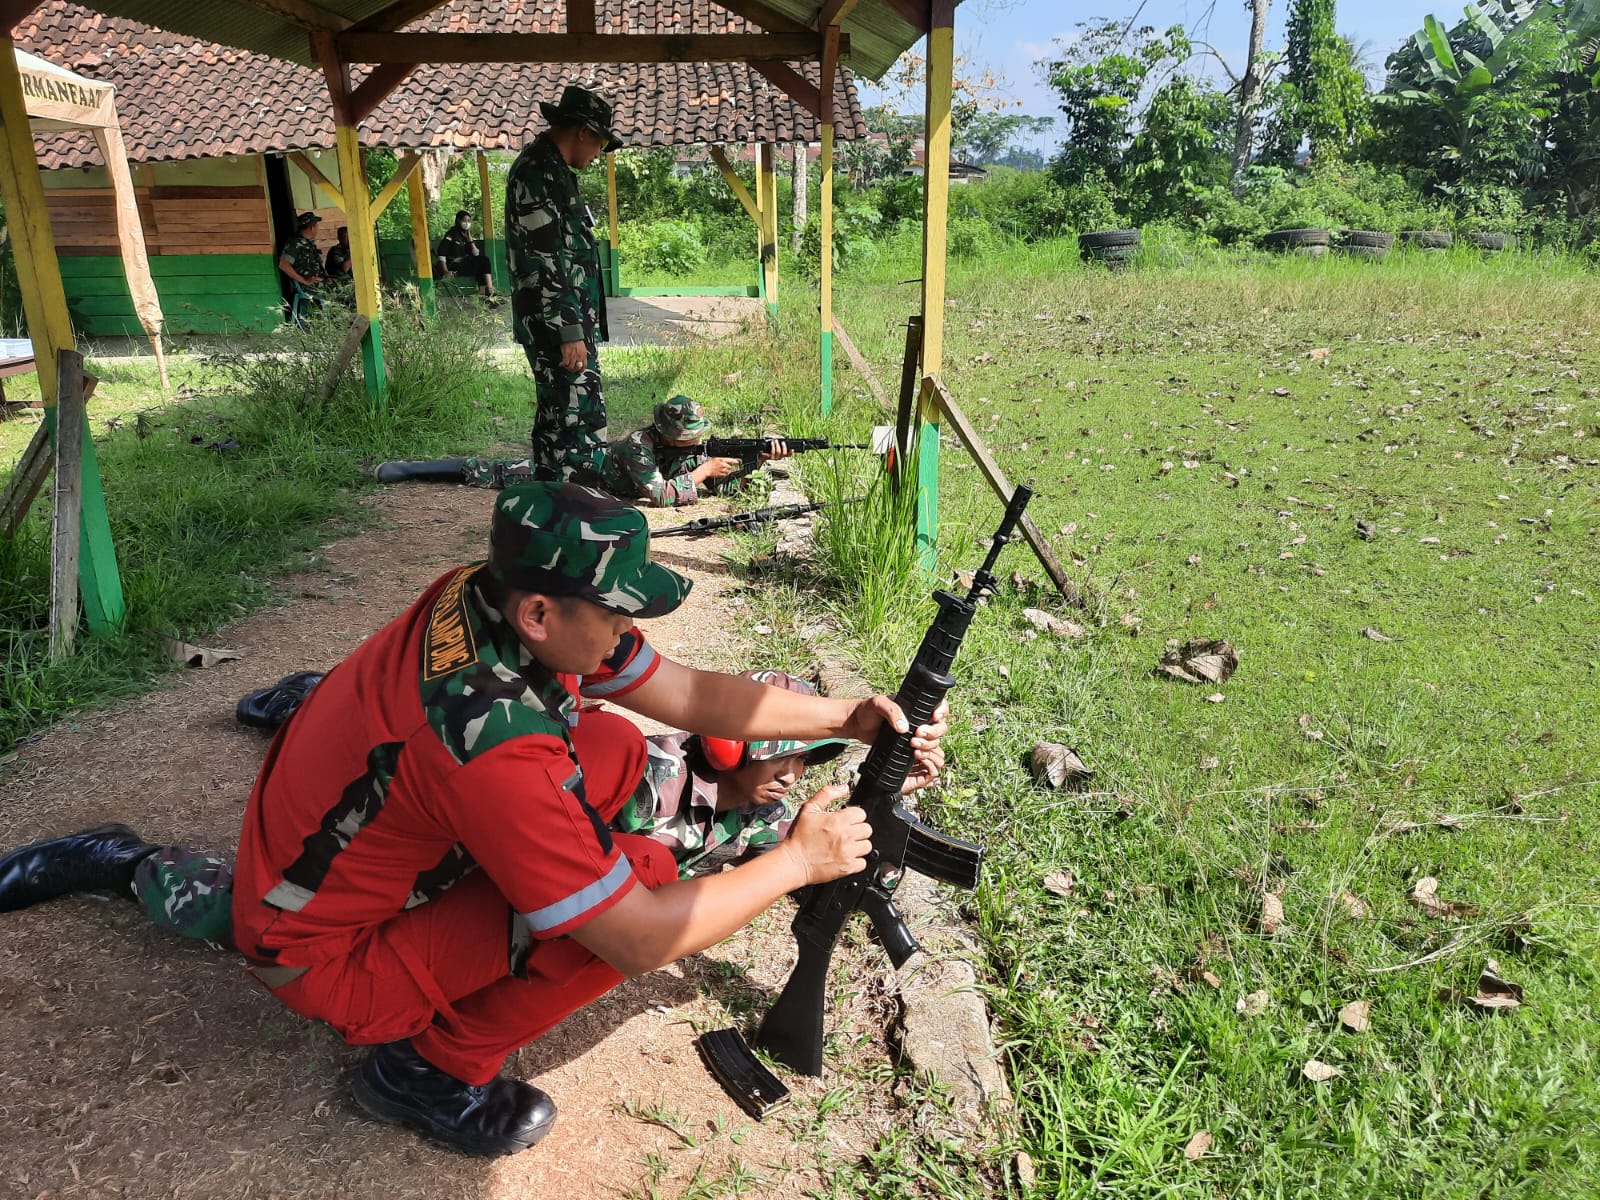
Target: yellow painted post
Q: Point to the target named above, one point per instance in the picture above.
(825, 162)
(486, 200)
(421, 246)
(363, 252)
(767, 179)
(614, 275)
(935, 229)
(44, 301)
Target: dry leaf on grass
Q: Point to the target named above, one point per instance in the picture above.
(196, 656)
(1210, 661)
(1319, 353)
(1058, 766)
(1373, 635)
(1040, 619)
(1366, 530)
(1254, 1004)
(1272, 913)
(1059, 882)
(1320, 1072)
(1355, 907)
(1215, 698)
(1493, 994)
(1448, 821)
(1197, 1147)
(1353, 1016)
(1425, 895)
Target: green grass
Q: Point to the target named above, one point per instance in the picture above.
(1457, 402)
(1450, 405)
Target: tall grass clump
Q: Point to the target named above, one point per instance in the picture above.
(210, 496)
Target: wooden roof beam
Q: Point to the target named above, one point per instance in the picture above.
(913, 12)
(580, 16)
(795, 85)
(377, 87)
(400, 13)
(302, 13)
(759, 14)
(356, 47)
(834, 12)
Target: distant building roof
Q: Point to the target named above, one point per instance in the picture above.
(181, 98)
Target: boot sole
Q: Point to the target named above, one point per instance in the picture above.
(383, 1108)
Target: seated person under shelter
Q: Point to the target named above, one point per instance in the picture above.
(337, 265)
(427, 861)
(457, 254)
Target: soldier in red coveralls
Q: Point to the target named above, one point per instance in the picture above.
(426, 862)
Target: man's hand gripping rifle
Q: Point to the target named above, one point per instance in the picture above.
(792, 1030)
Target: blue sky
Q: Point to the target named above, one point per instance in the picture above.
(1009, 36)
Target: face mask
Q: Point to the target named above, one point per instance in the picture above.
(465, 225)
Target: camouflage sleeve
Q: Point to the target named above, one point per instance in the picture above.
(762, 830)
(637, 464)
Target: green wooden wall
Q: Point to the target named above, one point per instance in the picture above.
(200, 293)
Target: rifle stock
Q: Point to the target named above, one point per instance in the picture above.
(791, 1031)
(748, 450)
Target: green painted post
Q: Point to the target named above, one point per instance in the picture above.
(99, 583)
(430, 302)
(826, 356)
(928, 496)
(372, 361)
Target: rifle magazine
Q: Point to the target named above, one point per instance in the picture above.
(742, 1075)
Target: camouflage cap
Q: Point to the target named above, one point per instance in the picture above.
(679, 418)
(824, 750)
(562, 539)
(580, 106)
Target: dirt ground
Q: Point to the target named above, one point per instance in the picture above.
(134, 1064)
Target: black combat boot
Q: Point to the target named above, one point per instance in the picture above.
(97, 860)
(270, 707)
(502, 1116)
(433, 470)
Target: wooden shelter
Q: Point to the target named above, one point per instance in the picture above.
(219, 195)
(367, 49)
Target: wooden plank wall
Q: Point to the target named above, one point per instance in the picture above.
(177, 220)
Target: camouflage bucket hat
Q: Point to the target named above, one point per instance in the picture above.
(580, 106)
(561, 539)
(825, 750)
(680, 419)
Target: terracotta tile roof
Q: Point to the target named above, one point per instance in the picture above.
(181, 98)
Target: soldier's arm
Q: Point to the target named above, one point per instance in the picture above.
(542, 263)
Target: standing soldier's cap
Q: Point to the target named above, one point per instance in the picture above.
(307, 220)
(580, 106)
(824, 750)
(679, 418)
(562, 539)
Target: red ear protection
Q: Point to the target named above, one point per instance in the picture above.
(722, 754)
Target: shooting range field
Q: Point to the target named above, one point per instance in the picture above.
(1286, 911)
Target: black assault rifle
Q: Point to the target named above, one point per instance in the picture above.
(745, 520)
(792, 1029)
(749, 450)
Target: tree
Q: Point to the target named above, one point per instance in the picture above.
(1250, 85)
(989, 137)
(1323, 97)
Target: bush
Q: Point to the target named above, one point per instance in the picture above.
(1029, 206)
(667, 247)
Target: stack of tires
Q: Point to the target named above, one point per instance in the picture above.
(1115, 248)
(1365, 243)
(1490, 243)
(1309, 243)
(1427, 239)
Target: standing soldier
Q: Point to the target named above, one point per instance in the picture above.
(557, 305)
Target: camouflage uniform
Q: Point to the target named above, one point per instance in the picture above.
(676, 804)
(678, 808)
(304, 256)
(187, 893)
(556, 298)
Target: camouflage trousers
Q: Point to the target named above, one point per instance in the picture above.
(497, 474)
(187, 893)
(569, 423)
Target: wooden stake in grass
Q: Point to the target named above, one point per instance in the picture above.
(68, 504)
